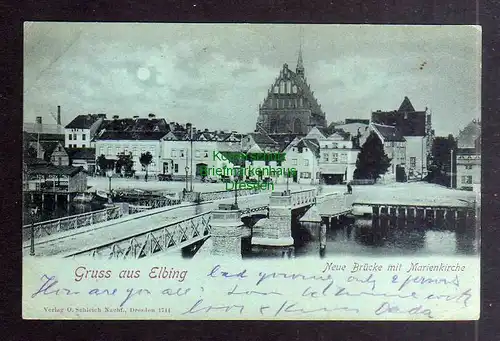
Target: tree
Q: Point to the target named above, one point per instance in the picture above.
(145, 161)
(125, 161)
(440, 160)
(104, 164)
(372, 160)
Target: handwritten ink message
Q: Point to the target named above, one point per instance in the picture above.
(218, 291)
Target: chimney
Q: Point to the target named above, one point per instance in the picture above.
(115, 117)
(39, 120)
(136, 117)
(151, 116)
(58, 115)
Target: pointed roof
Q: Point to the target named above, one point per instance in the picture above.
(300, 63)
(406, 106)
(300, 89)
(389, 133)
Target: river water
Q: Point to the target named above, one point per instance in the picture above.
(362, 238)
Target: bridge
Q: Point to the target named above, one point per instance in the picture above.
(166, 229)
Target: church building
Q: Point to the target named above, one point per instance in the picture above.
(290, 106)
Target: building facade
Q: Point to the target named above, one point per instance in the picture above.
(290, 105)
(80, 132)
(394, 147)
(303, 155)
(337, 161)
(136, 136)
(468, 157)
(416, 128)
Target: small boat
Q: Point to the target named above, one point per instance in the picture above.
(83, 198)
(101, 196)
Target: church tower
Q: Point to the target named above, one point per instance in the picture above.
(290, 105)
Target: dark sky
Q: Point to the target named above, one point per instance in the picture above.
(216, 75)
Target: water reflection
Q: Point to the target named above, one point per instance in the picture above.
(383, 237)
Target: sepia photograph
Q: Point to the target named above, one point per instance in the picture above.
(251, 142)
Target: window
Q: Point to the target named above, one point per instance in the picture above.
(325, 156)
(205, 153)
(176, 168)
(59, 161)
(83, 137)
(467, 179)
(101, 150)
(306, 162)
(70, 137)
(197, 154)
(343, 157)
(109, 151)
(74, 137)
(83, 146)
(413, 162)
(181, 153)
(468, 166)
(335, 157)
(173, 154)
(294, 162)
(305, 175)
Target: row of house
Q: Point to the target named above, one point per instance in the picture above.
(326, 153)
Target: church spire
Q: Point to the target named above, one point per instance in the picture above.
(300, 63)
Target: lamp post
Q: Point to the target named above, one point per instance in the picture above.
(451, 168)
(189, 127)
(109, 174)
(32, 213)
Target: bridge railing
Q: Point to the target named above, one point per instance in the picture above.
(157, 240)
(303, 198)
(49, 227)
(151, 204)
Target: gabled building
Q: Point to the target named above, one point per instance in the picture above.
(80, 132)
(83, 157)
(303, 155)
(55, 153)
(416, 128)
(468, 156)
(394, 146)
(290, 105)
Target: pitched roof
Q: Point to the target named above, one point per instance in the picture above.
(33, 137)
(303, 90)
(262, 139)
(81, 153)
(313, 145)
(48, 146)
(408, 123)
(136, 125)
(356, 120)
(406, 106)
(82, 122)
(342, 133)
(55, 170)
(389, 133)
(131, 135)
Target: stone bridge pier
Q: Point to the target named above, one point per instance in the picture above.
(274, 235)
(227, 230)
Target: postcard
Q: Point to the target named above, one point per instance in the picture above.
(251, 171)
